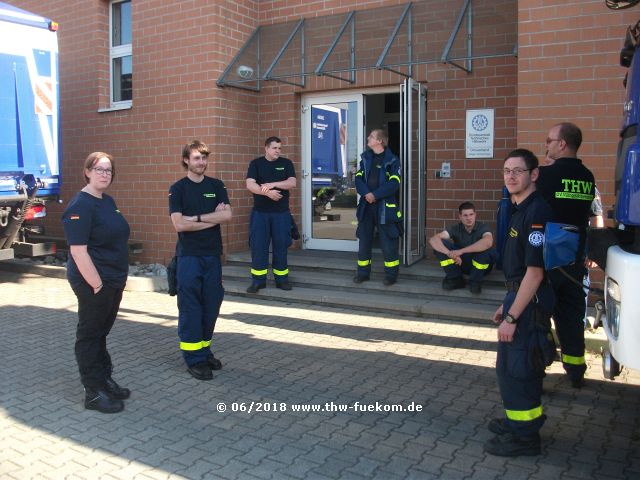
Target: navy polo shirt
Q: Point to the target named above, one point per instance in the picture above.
(525, 237)
(190, 199)
(461, 238)
(98, 224)
(265, 171)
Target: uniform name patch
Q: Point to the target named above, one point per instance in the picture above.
(74, 217)
(536, 238)
(209, 195)
(279, 168)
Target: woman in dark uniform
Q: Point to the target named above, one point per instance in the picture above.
(97, 235)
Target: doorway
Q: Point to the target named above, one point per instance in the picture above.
(334, 130)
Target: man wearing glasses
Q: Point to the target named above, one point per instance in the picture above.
(523, 317)
(569, 188)
(198, 204)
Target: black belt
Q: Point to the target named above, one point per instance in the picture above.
(512, 286)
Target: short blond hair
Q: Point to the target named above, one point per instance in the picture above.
(381, 135)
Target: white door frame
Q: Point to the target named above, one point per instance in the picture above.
(413, 193)
(308, 99)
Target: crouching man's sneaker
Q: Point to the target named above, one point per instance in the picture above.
(510, 445)
(453, 283)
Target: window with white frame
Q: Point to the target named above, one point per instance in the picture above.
(120, 52)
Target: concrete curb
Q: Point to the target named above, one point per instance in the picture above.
(134, 284)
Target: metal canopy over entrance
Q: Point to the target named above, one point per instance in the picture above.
(394, 38)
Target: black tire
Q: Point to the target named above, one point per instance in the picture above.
(610, 366)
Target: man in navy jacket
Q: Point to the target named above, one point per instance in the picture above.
(377, 183)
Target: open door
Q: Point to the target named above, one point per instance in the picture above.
(332, 142)
(413, 100)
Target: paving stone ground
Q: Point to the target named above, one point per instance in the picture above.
(281, 357)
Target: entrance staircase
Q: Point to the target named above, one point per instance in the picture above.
(326, 278)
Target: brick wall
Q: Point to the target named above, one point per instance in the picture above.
(569, 70)
(179, 51)
(451, 92)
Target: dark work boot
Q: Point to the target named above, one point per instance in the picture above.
(201, 371)
(499, 426)
(214, 363)
(254, 287)
(510, 445)
(101, 401)
(577, 382)
(284, 286)
(115, 391)
(453, 283)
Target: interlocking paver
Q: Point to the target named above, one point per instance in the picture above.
(286, 354)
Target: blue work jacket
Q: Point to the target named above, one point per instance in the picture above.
(388, 186)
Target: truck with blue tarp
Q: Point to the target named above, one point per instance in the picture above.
(30, 149)
(617, 249)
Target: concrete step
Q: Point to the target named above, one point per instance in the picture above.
(345, 262)
(420, 306)
(326, 278)
(321, 278)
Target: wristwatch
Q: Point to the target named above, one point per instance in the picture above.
(199, 219)
(510, 319)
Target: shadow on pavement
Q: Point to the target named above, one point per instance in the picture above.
(174, 423)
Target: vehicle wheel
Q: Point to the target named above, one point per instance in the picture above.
(610, 366)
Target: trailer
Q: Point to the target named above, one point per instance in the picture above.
(30, 149)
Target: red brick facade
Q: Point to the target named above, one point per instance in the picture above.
(566, 69)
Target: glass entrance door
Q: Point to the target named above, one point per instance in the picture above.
(412, 157)
(332, 142)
